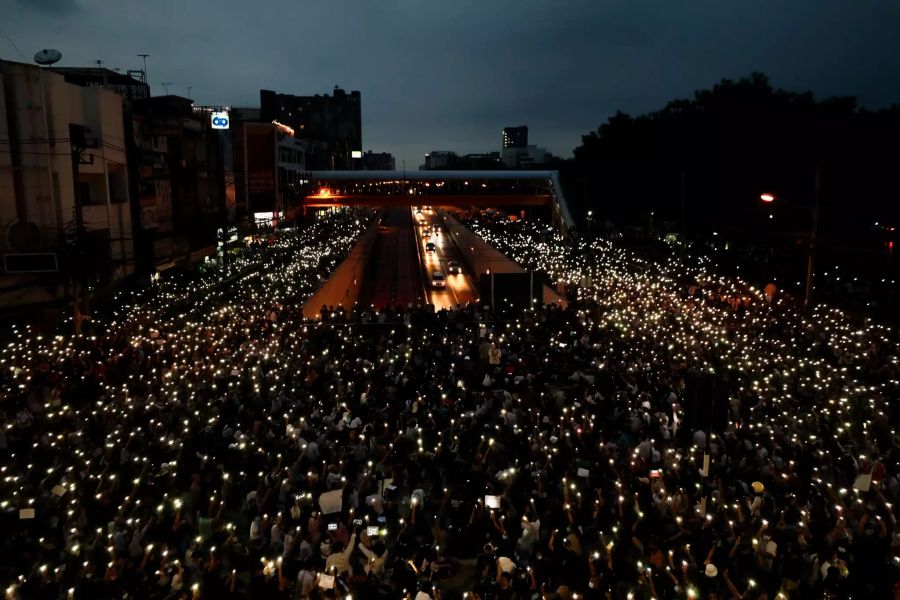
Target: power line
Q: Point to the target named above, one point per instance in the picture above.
(104, 143)
(34, 153)
(9, 39)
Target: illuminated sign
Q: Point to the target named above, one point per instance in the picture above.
(356, 154)
(219, 120)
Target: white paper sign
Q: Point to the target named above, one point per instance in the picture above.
(330, 502)
(863, 482)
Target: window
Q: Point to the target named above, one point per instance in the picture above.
(84, 193)
(118, 193)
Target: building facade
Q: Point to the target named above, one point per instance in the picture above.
(439, 159)
(377, 161)
(64, 184)
(515, 137)
(330, 125)
(528, 157)
(442, 159)
(269, 162)
(181, 193)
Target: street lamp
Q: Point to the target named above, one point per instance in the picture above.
(590, 214)
(813, 236)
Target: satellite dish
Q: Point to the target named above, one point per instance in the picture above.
(47, 57)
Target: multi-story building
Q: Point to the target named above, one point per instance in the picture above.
(377, 161)
(130, 87)
(526, 157)
(182, 179)
(64, 190)
(269, 162)
(485, 161)
(440, 159)
(515, 137)
(330, 126)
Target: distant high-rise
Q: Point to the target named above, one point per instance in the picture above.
(515, 137)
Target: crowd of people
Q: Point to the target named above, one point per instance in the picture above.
(210, 442)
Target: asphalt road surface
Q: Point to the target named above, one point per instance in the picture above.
(459, 289)
(392, 275)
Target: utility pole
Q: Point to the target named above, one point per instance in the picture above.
(683, 206)
(813, 239)
(144, 56)
(81, 301)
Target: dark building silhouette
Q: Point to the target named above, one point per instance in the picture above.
(131, 87)
(175, 169)
(331, 125)
(269, 161)
(445, 159)
(377, 161)
(515, 137)
(181, 192)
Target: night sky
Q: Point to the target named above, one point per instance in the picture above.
(449, 75)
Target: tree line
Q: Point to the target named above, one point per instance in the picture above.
(699, 165)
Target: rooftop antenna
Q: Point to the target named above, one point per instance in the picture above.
(165, 85)
(144, 56)
(100, 66)
(47, 57)
(189, 91)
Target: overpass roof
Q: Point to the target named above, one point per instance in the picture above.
(427, 175)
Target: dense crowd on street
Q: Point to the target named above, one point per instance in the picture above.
(210, 442)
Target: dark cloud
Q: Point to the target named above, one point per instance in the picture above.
(51, 6)
(450, 75)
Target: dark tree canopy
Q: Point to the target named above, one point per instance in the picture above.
(733, 142)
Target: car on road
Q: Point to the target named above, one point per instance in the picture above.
(426, 234)
(454, 266)
(429, 247)
(438, 280)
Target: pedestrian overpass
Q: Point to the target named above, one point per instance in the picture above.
(454, 188)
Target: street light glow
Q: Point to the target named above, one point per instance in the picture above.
(767, 197)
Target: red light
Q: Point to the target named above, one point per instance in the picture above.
(767, 197)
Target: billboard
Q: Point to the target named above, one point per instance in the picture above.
(219, 120)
